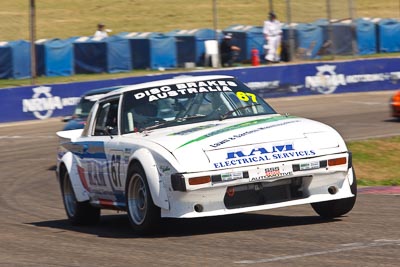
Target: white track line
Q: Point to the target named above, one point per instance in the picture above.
(341, 248)
(30, 122)
(367, 103)
(27, 137)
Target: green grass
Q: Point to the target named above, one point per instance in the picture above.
(367, 182)
(376, 161)
(67, 18)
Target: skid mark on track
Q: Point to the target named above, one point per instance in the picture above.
(339, 248)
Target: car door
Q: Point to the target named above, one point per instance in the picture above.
(102, 160)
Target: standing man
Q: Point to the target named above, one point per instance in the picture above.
(273, 34)
(228, 51)
(101, 32)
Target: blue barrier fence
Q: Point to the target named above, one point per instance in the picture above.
(45, 101)
(149, 50)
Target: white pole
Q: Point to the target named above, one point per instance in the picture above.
(215, 18)
(215, 23)
(291, 31)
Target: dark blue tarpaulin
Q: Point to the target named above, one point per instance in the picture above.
(15, 60)
(97, 55)
(54, 57)
(389, 35)
(247, 38)
(90, 55)
(190, 44)
(366, 36)
(152, 50)
(309, 38)
(5, 61)
(119, 57)
(338, 37)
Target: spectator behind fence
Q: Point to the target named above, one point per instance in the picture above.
(273, 34)
(101, 32)
(229, 52)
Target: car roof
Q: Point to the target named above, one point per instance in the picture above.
(101, 90)
(179, 79)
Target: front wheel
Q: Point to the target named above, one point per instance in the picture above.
(79, 213)
(337, 208)
(143, 215)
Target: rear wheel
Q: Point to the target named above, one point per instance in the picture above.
(337, 208)
(144, 216)
(79, 213)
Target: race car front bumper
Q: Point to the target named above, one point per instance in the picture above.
(261, 187)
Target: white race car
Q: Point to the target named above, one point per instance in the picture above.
(195, 147)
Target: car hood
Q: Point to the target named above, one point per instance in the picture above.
(247, 141)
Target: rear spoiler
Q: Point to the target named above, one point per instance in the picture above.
(69, 135)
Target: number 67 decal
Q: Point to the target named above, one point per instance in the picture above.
(116, 170)
(246, 97)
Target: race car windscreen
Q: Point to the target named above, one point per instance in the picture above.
(191, 102)
(83, 108)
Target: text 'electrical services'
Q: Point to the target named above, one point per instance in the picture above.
(262, 154)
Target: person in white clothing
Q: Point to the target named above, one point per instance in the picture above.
(273, 34)
(101, 31)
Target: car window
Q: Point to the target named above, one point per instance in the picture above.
(106, 121)
(83, 108)
(193, 102)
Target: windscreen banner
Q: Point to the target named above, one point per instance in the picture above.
(278, 80)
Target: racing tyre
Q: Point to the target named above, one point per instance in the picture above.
(337, 208)
(143, 215)
(79, 213)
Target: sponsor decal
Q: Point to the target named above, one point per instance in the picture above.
(96, 173)
(192, 130)
(262, 155)
(127, 154)
(326, 80)
(231, 176)
(81, 173)
(274, 87)
(43, 103)
(102, 171)
(309, 165)
(185, 89)
(86, 149)
(164, 169)
(236, 136)
(114, 165)
(272, 173)
(239, 126)
(263, 85)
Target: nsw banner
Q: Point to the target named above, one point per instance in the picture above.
(280, 80)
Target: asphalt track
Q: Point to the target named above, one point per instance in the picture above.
(34, 231)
